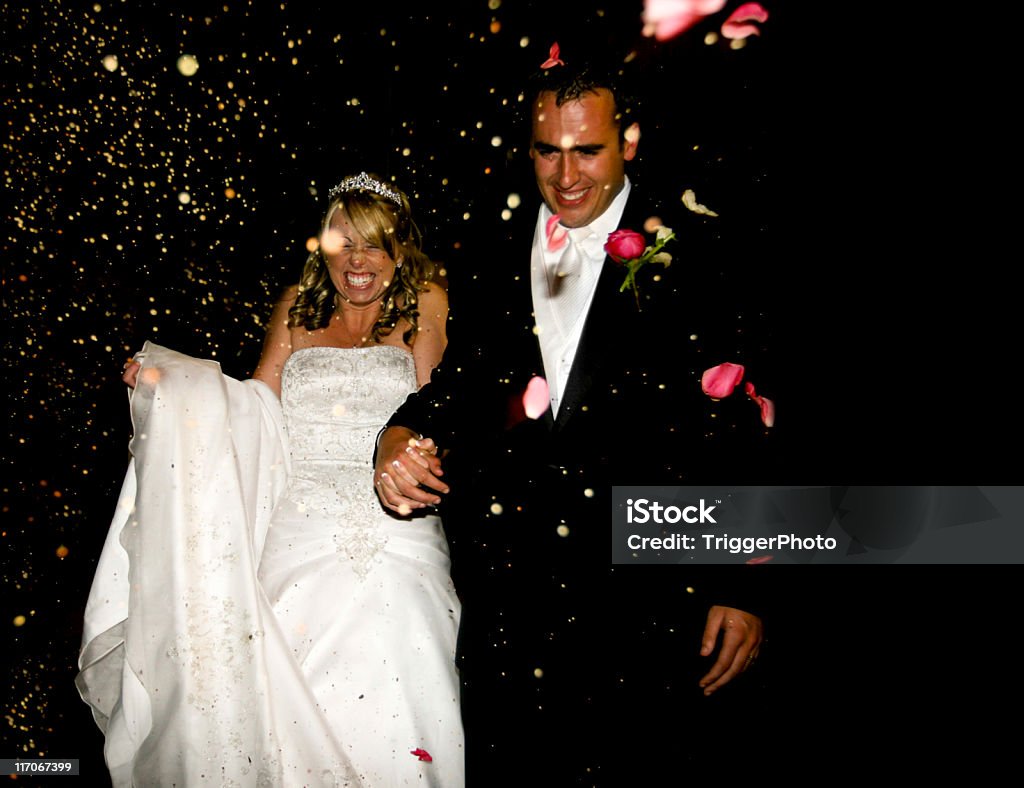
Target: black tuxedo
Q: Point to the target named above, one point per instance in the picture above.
(557, 646)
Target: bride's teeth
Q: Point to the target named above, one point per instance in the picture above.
(358, 280)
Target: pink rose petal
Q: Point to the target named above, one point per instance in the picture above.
(553, 60)
(748, 12)
(536, 398)
(665, 19)
(767, 406)
(422, 754)
(557, 235)
(719, 382)
(761, 559)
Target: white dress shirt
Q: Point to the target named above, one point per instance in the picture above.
(558, 343)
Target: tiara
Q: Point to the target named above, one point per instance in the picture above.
(364, 182)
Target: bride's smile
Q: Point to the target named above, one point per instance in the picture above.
(360, 270)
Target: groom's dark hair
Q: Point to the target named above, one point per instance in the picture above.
(576, 78)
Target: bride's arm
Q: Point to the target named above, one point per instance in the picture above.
(277, 347)
(432, 337)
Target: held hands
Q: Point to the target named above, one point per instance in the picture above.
(742, 634)
(407, 472)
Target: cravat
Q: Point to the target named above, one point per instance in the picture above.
(569, 285)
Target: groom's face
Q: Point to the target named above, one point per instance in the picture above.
(578, 155)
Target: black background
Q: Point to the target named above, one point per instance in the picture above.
(849, 153)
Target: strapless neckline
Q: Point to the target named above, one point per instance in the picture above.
(346, 350)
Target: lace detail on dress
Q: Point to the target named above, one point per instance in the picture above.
(335, 401)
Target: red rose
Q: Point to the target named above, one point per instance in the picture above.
(625, 245)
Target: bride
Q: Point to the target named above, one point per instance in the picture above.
(256, 617)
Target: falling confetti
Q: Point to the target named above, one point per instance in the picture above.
(536, 398)
(553, 58)
(734, 26)
(690, 201)
(665, 19)
(557, 236)
(188, 65)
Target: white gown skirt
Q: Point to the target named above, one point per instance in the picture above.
(329, 672)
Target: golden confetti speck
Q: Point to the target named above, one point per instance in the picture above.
(652, 224)
(693, 337)
(188, 65)
(404, 509)
(110, 62)
(311, 245)
(524, 42)
(513, 201)
(711, 38)
(494, 5)
(567, 141)
(496, 508)
(632, 134)
(406, 151)
(184, 198)
(495, 141)
(690, 590)
(230, 193)
(588, 493)
(506, 214)
(331, 242)
(538, 673)
(562, 530)
(62, 552)
(19, 621)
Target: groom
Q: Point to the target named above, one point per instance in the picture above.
(561, 652)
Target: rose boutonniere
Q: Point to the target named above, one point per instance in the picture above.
(630, 249)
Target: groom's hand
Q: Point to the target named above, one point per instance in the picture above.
(742, 634)
(407, 471)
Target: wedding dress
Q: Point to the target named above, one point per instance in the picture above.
(256, 617)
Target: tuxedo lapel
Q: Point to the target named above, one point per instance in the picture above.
(611, 313)
(594, 349)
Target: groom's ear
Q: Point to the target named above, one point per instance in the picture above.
(630, 141)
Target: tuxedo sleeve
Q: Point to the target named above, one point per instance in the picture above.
(462, 403)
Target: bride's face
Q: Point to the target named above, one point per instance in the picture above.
(360, 270)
